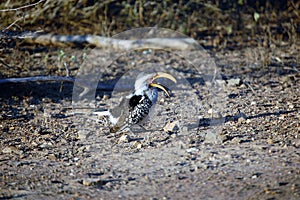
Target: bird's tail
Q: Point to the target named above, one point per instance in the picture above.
(102, 113)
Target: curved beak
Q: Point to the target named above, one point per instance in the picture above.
(162, 75)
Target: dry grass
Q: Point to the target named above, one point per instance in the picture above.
(223, 24)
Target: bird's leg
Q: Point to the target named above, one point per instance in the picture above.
(147, 139)
(122, 131)
(132, 134)
(143, 128)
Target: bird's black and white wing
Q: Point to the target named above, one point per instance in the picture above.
(138, 107)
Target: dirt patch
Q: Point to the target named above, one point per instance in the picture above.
(248, 149)
(47, 152)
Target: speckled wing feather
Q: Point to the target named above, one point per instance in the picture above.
(138, 107)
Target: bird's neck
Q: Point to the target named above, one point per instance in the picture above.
(151, 93)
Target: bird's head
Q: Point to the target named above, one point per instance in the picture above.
(146, 81)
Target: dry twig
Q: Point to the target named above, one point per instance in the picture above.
(107, 42)
(22, 7)
(51, 79)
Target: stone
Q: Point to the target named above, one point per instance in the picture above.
(171, 127)
(124, 138)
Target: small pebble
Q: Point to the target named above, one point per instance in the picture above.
(124, 138)
(51, 157)
(192, 150)
(234, 82)
(185, 129)
(241, 119)
(11, 149)
(82, 134)
(105, 97)
(171, 127)
(270, 141)
(211, 137)
(137, 145)
(89, 181)
(254, 176)
(220, 82)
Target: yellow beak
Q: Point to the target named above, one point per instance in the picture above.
(162, 75)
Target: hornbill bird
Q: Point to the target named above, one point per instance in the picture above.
(135, 107)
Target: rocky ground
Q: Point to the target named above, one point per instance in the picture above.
(228, 131)
(49, 150)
